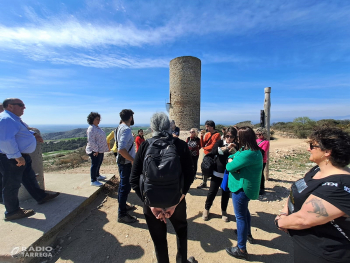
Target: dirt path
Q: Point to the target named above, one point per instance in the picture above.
(95, 235)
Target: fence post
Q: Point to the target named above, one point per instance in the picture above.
(267, 106)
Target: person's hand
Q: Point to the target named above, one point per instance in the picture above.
(229, 160)
(158, 213)
(95, 154)
(20, 161)
(231, 145)
(278, 217)
(168, 212)
(38, 138)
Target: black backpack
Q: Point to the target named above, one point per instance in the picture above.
(161, 180)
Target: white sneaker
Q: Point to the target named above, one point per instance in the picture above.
(101, 177)
(96, 183)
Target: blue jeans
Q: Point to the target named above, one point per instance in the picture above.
(124, 187)
(12, 177)
(96, 162)
(240, 205)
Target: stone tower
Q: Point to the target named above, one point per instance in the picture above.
(185, 92)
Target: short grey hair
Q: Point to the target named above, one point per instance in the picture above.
(160, 122)
(262, 130)
(8, 101)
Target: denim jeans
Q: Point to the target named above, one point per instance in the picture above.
(124, 187)
(240, 205)
(96, 162)
(12, 177)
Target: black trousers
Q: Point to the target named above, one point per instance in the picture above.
(262, 184)
(302, 255)
(158, 231)
(213, 190)
(195, 163)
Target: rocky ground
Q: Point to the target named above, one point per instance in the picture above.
(96, 236)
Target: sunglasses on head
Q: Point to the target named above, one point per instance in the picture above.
(313, 146)
(18, 104)
(229, 136)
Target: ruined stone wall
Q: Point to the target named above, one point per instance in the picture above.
(185, 92)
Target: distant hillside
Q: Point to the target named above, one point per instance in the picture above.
(76, 133)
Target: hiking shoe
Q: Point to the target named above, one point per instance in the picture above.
(101, 177)
(237, 253)
(96, 183)
(250, 238)
(191, 260)
(48, 197)
(127, 219)
(205, 215)
(202, 185)
(21, 213)
(130, 207)
(224, 216)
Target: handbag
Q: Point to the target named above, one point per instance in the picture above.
(224, 184)
(208, 165)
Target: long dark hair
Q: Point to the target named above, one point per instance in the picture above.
(139, 134)
(247, 139)
(232, 131)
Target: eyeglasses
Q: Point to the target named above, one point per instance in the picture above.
(228, 136)
(18, 104)
(313, 146)
(258, 134)
(192, 132)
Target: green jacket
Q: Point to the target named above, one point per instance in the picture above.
(249, 164)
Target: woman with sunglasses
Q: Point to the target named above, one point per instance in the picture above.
(317, 211)
(264, 144)
(221, 150)
(194, 144)
(244, 182)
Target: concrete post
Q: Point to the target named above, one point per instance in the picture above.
(185, 92)
(37, 164)
(267, 106)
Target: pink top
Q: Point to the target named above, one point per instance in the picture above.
(265, 145)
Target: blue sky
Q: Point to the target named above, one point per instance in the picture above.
(67, 58)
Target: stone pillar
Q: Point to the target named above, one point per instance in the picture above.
(185, 92)
(37, 164)
(267, 106)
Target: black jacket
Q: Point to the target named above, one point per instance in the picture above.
(221, 160)
(185, 159)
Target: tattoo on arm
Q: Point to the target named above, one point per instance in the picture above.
(319, 208)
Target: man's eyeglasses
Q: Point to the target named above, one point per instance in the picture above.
(18, 104)
(313, 146)
(229, 136)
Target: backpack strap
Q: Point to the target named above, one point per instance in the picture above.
(261, 142)
(210, 138)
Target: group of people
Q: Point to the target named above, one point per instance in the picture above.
(316, 214)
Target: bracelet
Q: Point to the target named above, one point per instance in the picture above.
(276, 223)
(283, 214)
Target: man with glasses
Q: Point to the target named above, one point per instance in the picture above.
(16, 143)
